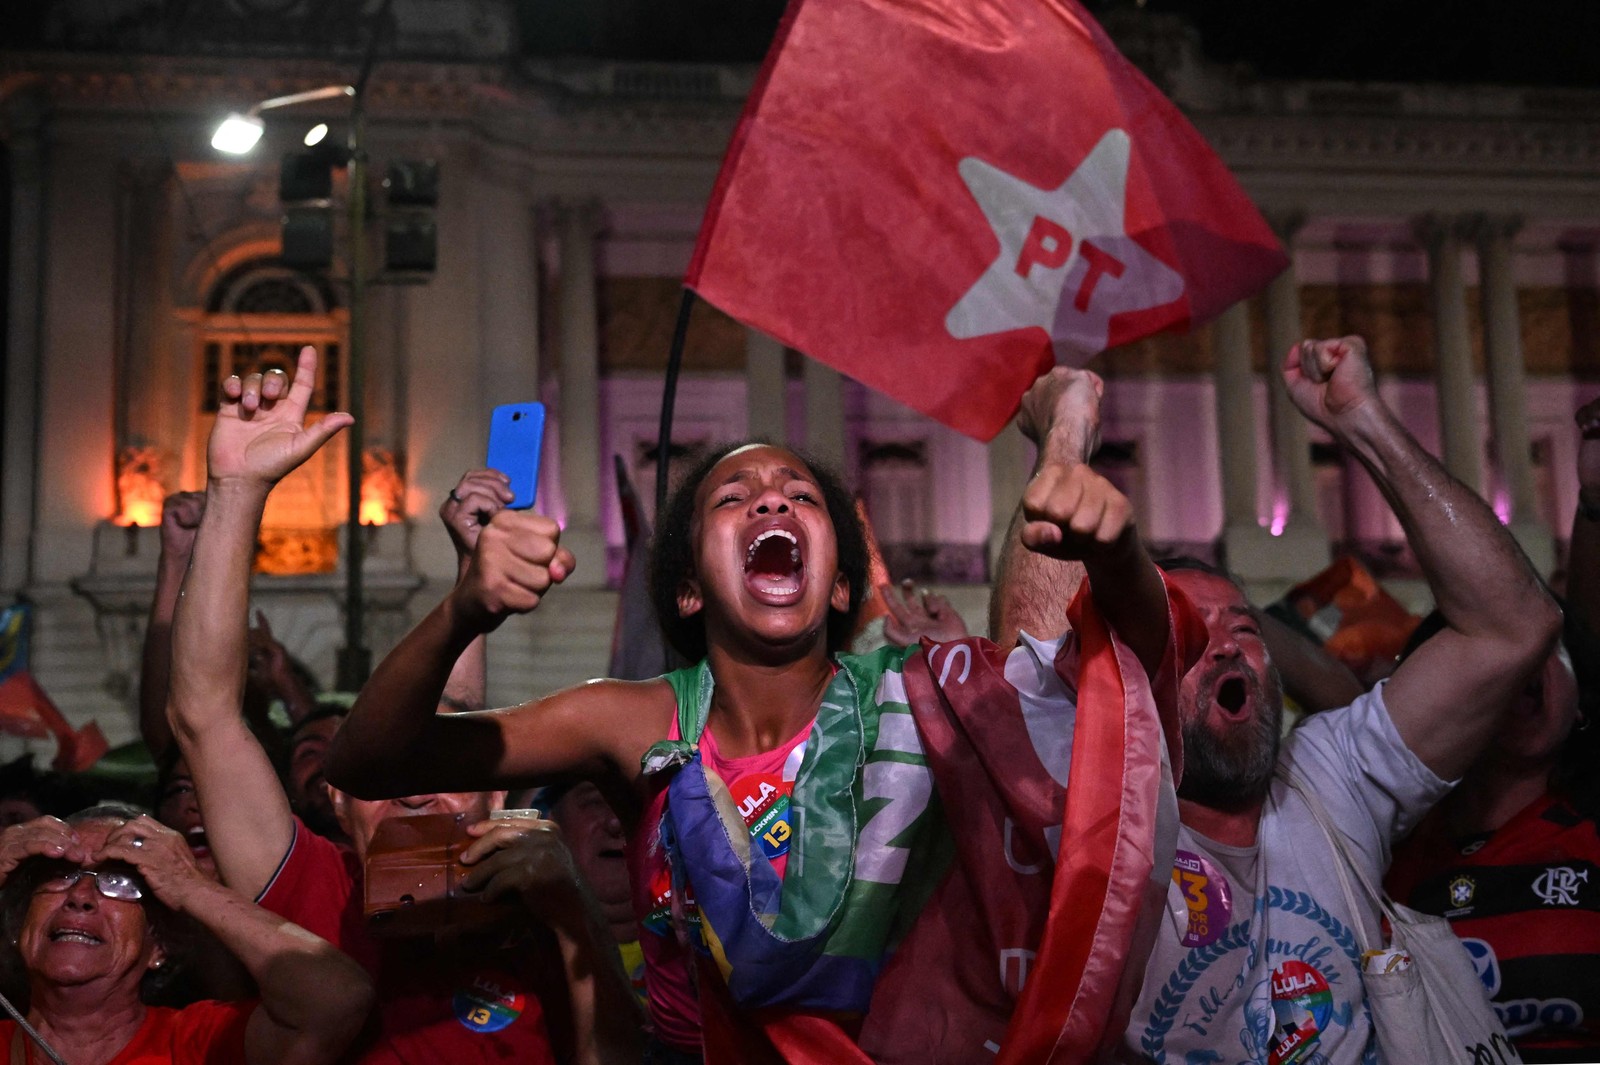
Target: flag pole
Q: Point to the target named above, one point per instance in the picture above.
(669, 397)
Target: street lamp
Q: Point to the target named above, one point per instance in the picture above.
(238, 134)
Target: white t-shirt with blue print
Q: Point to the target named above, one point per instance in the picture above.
(1268, 971)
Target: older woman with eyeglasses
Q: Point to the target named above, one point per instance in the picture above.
(89, 909)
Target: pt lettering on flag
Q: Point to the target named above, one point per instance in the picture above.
(942, 203)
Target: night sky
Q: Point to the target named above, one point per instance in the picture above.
(1528, 42)
(1532, 42)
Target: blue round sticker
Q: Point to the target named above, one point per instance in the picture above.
(491, 1002)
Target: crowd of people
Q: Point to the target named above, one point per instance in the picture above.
(1091, 836)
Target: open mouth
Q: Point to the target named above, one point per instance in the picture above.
(612, 852)
(75, 935)
(196, 838)
(1232, 695)
(772, 563)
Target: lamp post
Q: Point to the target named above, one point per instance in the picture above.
(355, 658)
(238, 134)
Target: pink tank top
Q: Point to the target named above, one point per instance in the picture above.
(761, 785)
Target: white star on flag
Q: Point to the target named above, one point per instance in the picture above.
(1066, 263)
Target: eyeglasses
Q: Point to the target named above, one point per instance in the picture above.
(112, 883)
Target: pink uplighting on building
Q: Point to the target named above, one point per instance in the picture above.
(1280, 516)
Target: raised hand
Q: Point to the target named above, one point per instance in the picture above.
(1061, 412)
(43, 837)
(268, 659)
(1331, 381)
(180, 521)
(472, 504)
(160, 855)
(260, 433)
(1070, 512)
(518, 556)
(914, 614)
(526, 857)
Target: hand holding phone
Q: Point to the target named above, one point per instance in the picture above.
(516, 435)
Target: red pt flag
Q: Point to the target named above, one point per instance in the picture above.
(942, 198)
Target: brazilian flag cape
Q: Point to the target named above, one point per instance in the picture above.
(980, 843)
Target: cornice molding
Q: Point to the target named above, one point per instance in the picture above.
(604, 109)
(82, 83)
(1437, 145)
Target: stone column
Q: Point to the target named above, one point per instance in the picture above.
(579, 376)
(825, 414)
(1458, 407)
(766, 388)
(1236, 422)
(1255, 556)
(19, 460)
(1302, 535)
(508, 299)
(149, 379)
(1508, 403)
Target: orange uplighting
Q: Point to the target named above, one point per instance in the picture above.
(139, 487)
(140, 512)
(381, 488)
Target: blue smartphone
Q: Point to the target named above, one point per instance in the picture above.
(516, 433)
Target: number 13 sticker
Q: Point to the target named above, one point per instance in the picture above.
(1207, 895)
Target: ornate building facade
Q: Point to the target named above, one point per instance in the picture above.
(1457, 228)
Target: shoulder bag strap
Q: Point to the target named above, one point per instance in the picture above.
(1398, 922)
(1343, 864)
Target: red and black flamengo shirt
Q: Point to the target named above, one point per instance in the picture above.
(1526, 902)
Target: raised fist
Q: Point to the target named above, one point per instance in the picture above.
(1330, 381)
(517, 558)
(1070, 512)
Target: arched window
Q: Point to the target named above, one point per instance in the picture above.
(258, 316)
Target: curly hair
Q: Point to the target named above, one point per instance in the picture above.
(672, 551)
(171, 930)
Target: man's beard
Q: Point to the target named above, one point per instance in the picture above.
(319, 816)
(1232, 771)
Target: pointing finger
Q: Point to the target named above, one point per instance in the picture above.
(305, 382)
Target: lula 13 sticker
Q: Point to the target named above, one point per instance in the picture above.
(490, 1001)
(1302, 1005)
(763, 802)
(1206, 894)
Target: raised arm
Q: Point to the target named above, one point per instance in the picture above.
(313, 998)
(394, 743)
(526, 859)
(180, 518)
(1583, 561)
(271, 675)
(1073, 523)
(471, 504)
(1447, 698)
(259, 436)
(1031, 591)
(1311, 676)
